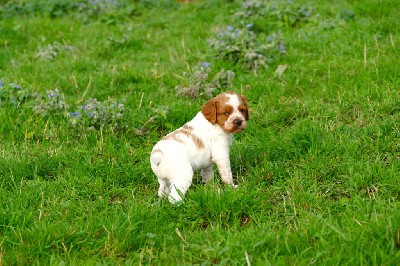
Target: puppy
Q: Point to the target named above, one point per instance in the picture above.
(199, 144)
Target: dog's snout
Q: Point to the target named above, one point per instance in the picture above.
(238, 122)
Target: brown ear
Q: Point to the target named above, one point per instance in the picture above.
(209, 111)
(246, 116)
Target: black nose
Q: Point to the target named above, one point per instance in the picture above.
(238, 122)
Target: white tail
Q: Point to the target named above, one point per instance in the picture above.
(156, 157)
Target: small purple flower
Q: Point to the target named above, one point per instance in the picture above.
(83, 107)
(229, 28)
(15, 86)
(52, 94)
(237, 31)
(281, 48)
(1, 84)
(205, 64)
(250, 25)
(75, 114)
(269, 38)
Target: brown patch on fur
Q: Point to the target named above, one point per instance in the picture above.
(173, 136)
(187, 127)
(209, 111)
(197, 141)
(187, 131)
(224, 111)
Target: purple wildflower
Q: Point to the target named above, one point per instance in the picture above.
(281, 48)
(75, 114)
(250, 25)
(1, 84)
(229, 28)
(205, 64)
(15, 86)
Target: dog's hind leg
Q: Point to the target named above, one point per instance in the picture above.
(164, 187)
(180, 184)
(207, 173)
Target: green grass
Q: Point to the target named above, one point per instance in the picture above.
(318, 167)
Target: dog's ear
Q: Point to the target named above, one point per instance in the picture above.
(209, 111)
(244, 100)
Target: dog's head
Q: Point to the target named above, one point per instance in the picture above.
(229, 110)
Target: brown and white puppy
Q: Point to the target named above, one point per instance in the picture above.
(199, 144)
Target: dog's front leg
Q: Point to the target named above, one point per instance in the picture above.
(220, 156)
(224, 169)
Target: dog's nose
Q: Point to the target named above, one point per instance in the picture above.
(238, 122)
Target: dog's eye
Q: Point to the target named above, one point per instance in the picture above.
(225, 113)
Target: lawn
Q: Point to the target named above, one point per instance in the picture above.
(88, 87)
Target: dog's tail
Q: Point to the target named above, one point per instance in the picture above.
(156, 157)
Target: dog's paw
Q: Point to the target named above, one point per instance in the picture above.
(234, 186)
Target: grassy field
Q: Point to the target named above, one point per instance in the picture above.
(88, 87)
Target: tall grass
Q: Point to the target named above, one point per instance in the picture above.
(88, 87)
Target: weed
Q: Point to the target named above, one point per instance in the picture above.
(107, 11)
(53, 103)
(98, 115)
(198, 81)
(242, 45)
(157, 116)
(14, 94)
(285, 13)
(50, 51)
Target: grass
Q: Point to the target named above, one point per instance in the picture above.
(318, 167)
